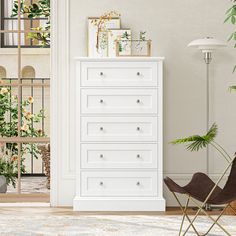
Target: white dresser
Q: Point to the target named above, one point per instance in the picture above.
(118, 134)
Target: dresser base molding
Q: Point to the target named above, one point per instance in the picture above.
(118, 205)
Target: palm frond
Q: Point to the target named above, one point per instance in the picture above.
(196, 142)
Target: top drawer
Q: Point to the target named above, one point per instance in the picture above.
(119, 74)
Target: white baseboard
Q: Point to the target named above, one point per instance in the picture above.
(119, 205)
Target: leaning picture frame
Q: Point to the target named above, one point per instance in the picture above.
(115, 35)
(98, 35)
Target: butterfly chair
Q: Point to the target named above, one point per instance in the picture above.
(202, 188)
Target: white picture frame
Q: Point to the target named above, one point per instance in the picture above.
(100, 49)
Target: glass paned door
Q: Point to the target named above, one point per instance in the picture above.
(24, 100)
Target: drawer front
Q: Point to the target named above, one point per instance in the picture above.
(119, 156)
(119, 184)
(119, 128)
(119, 74)
(105, 101)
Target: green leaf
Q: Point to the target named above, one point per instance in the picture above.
(196, 142)
(234, 69)
(232, 88)
(233, 20)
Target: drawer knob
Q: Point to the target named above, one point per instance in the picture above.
(138, 156)
(101, 183)
(138, 129)
(138, 73)
(101, 155)
(138, 184)
(101, 128)
(101, 74)
(138, 101)
(101, 101)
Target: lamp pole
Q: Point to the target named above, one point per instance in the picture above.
(207, 59)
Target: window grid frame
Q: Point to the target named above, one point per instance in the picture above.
(19, 139)
(3, 19)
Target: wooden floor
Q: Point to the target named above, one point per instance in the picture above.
(13, 198)
(69, 211)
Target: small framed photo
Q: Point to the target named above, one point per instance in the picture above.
(139, 48)
(123, 36)
(98, 35)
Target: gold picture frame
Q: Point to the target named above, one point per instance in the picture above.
(135, 47)
(98, 51)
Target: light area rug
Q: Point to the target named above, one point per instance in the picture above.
(103, 225)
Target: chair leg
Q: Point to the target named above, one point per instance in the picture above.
(184, 214)
(223, 211)
(215, 221)
(208, 196)
(233, 209)
(184, 211)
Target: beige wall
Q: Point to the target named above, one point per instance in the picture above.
(172, 24)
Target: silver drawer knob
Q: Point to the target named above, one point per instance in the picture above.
(101, 155)
(138, 74)
(138, 156)
(101, 101)
(101, 183)
(138, 184)
(101, 128)
(138, 129)
(101, 74)
(138, 101)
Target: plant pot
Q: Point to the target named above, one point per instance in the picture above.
(3, 184)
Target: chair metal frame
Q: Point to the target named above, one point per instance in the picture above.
(201, 209)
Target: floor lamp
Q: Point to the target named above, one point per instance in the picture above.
(207, 46)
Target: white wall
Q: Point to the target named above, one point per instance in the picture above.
(172, 24)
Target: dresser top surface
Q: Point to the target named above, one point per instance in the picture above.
(120, 59)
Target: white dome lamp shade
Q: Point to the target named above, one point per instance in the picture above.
(207, 45)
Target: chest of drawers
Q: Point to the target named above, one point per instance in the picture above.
(118, 137)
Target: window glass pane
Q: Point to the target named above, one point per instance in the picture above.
(8, 167)
(8, 111)
(35, 108)
(36, 178)
(7, 8)
(27, 40)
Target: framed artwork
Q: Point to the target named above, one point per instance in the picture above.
(123, 36)
(98, 35)
(139, 48)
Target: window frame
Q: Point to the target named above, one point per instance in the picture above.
(19, 139)
(3, 18)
